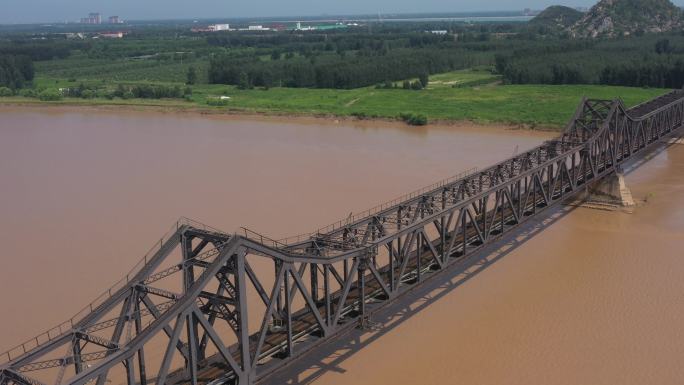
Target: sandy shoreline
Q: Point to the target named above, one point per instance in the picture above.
(271, 116)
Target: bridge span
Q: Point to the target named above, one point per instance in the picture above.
(205, 306)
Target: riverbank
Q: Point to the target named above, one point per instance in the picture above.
(522, 106)
(75, 105)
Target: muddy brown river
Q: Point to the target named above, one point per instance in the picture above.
(596, 297)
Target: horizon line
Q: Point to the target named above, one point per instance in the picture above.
(273, 18)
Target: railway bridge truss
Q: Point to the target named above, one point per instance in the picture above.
(205, 306)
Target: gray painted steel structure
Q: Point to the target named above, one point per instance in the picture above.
(340, 274)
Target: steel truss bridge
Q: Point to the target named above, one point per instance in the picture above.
(205, 306)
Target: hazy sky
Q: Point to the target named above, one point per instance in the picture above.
(30, 11)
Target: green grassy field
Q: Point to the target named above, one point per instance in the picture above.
(462, 79)
(546, 106)
(537, 106)
(131, 70)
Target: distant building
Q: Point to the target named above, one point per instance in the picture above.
(112, 35)
(220, 27)
(115, 20)
(93, 18)
(299, 27)
(213, 28)
(439, 32)
(253, 28)
(72, 35)
(503, 35)
(278, 27)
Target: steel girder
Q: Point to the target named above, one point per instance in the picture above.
(234, 308)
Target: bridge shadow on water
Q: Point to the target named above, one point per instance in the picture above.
(633, 165)
(329, 357)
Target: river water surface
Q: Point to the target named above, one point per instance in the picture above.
(596, 298)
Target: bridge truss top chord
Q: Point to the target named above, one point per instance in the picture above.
(206, 306)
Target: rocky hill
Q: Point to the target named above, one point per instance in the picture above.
(557, 17)
(611, 18)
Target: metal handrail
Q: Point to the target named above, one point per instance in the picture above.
(374, 210)
(262, 239)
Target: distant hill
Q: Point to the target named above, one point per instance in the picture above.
(557, 17)
(612, 18)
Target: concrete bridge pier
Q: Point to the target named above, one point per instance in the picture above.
(611, 193)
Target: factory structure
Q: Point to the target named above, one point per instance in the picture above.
(298, 26)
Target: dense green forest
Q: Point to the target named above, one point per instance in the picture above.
(358, 60)
(44, 50)
(339, 70)
(344, 60)
(350, 58)
(17, 56)
(15, 71)
(645, 61)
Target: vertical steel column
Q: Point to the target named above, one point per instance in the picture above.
(534, 194)
(362, 290)
(243, 331)
(399, 253)
(141, 351)
(326, 290)
(188, 270)
(314, 281)
(442, 240)
(191, 322)
(78, 364)
(464, 230)
(288, 314)
(518, 198)
(550, 180)
(280, 308)
(130, 374)
(191, 327)
(345, 267)
(501, 208)
(419, 254)
(391, 266)
(483, 212)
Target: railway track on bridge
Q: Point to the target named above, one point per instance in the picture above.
(235, 308)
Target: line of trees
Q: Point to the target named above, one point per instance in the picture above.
(341, 71)
(38, 51)
(149, 91)
(351, 59)
(651, 61)
(15, 71)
